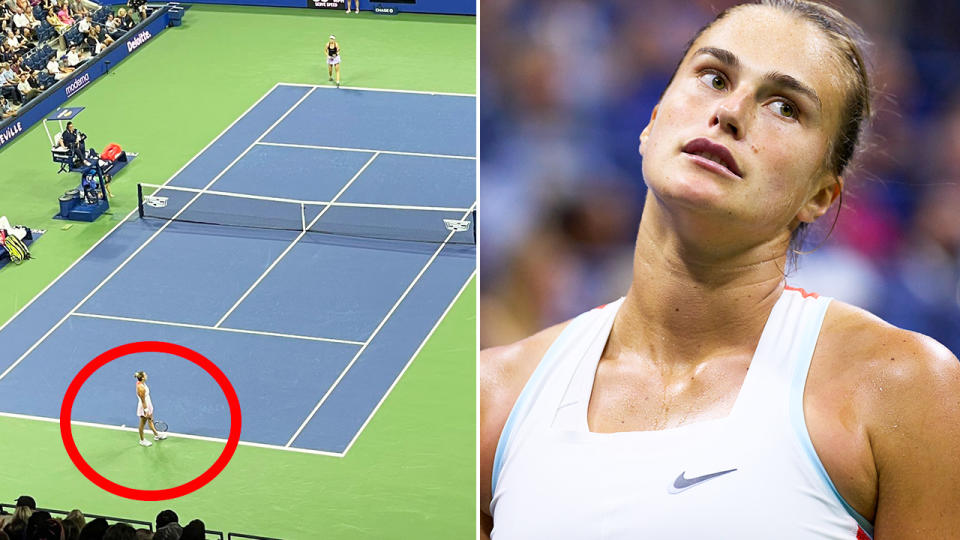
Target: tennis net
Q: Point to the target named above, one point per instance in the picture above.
(385, 221)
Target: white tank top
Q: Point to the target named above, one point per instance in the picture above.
(751, 475)
(146, 397)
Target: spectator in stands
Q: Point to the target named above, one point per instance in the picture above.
(34, 80)
(73, 57)
(28, 92)
(70, 529)
(126, 19)
(34, 23)
(14, 41)
(20, 18)
(94, 530)
(55, 21)
(7, 54)
(7, 109)
(195, 530)
(144, 534)
(112, 26)
(120, 531)
(103, 38)
(8, 84)
(84, 25)
(41, 526)
(76, 516)
(170, 531)
(3, 536)
(53, 68)
(165, 517)
(91, 43)
(21, 515)
(140, 6)
(64, 14)
(79, 9)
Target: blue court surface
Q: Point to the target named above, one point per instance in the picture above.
(313, 330)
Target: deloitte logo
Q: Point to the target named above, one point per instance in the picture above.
(141, 38)
(76, 85)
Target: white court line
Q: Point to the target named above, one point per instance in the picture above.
(172, 434)
(366, 150)
(220, 328)
(147, 242)
(426, 92)
(414, 355)
(185, 165)
(346, 369)
(295, 240)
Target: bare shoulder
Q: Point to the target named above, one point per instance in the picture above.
(884, 353)
(907, 389)
(502, 373)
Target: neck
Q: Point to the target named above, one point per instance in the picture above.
(690, 300)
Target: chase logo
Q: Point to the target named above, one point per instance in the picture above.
(76, 85)
(141, 38)
(8, 134)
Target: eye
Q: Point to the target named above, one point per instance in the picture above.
(785, 109)
(713, 80)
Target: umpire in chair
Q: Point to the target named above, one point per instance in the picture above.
(75, 141)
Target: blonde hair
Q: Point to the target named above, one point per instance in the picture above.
(140, 375)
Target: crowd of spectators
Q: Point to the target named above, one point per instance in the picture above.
(42, 41)
(28, 523)
(566, 87)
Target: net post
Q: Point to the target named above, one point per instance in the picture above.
(140, 199)
(303, 217)
(473, 215)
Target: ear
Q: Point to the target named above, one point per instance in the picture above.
(645, 134)
(817, 204)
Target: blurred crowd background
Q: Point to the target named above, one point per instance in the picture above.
(566, 86)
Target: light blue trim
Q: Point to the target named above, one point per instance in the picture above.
(522, 406)
(808, 339)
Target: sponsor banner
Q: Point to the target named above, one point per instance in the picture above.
(138, 40)
(10, 132)
(77, 84)
(326, 4)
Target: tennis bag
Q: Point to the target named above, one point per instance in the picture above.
(15, 247)
(111, 152)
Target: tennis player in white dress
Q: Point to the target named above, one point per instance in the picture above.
(145, 409)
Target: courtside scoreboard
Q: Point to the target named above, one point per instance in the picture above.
(341, 4)
(327, 4)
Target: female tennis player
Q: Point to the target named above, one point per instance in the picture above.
(145, 409)
(712, 401)
(333, 58)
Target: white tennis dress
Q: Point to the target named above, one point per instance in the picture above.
(752, 475)
(146, 397)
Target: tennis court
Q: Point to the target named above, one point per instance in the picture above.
(312, 310)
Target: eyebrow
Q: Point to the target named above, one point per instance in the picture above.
(774, 77)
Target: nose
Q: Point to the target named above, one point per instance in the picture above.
(730, 115)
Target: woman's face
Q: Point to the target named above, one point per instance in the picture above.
(761, 84)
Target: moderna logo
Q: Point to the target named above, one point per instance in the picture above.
(8, 134)
(76, 85)
(141, 38)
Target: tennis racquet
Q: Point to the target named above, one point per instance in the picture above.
(160, 425)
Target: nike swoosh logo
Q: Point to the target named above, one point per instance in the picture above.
(682, 483)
